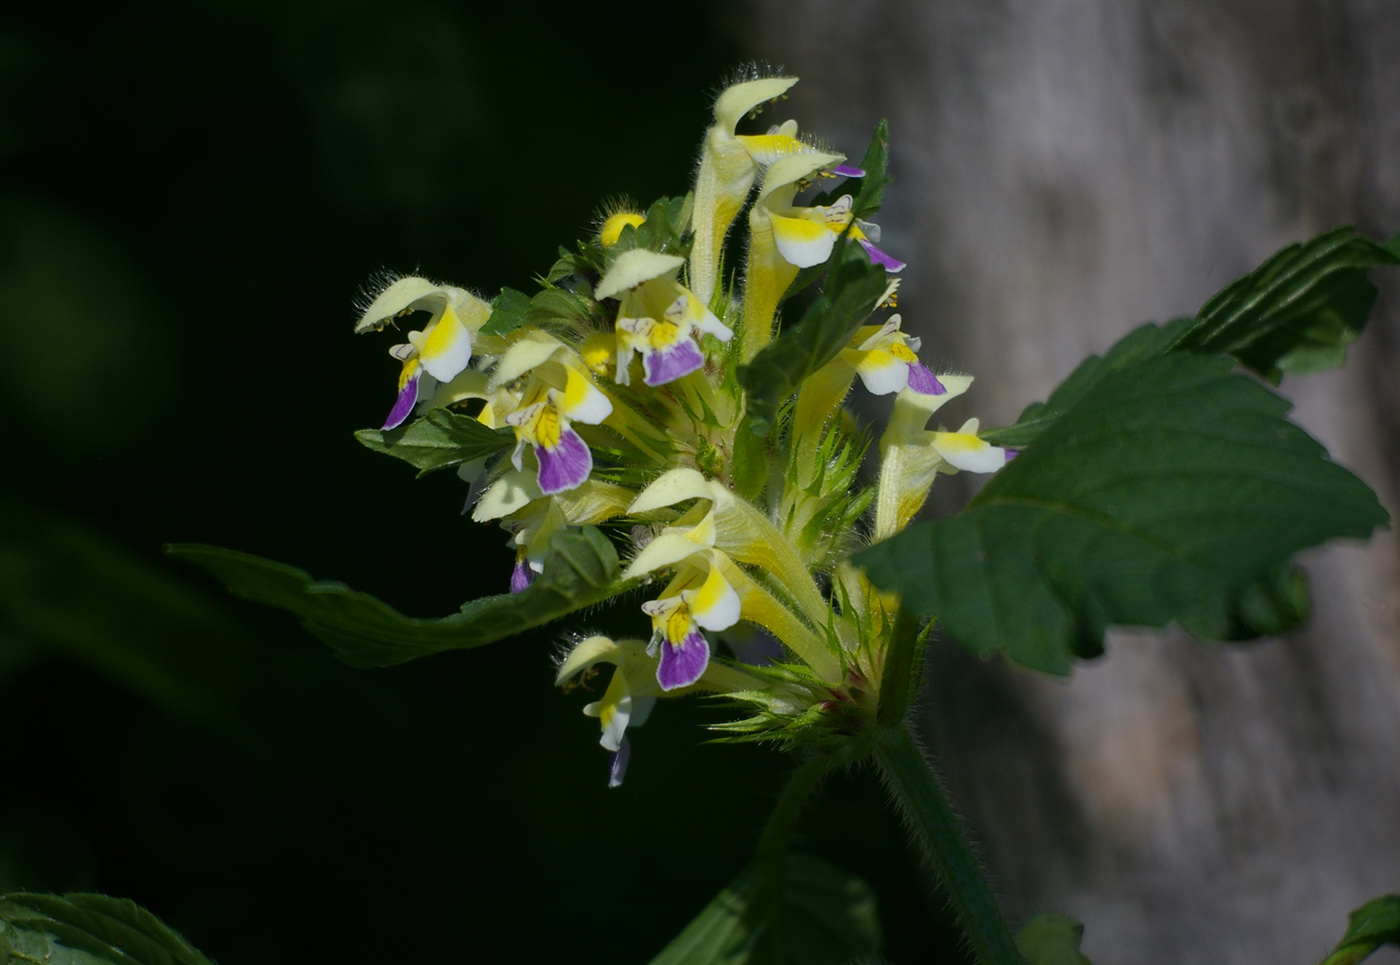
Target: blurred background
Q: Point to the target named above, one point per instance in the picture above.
(191, 197)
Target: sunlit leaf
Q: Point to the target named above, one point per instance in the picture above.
(438, 440)
(84, 929)
(829, 915)
(1374, 924)
(580, 570)
(853, 289)
(1172, 490)
(1051, 940)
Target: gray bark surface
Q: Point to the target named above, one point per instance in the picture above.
(1065, 171)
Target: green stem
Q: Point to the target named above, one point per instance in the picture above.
(930, 815)
(771, 853)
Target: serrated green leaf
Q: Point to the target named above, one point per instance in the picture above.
(580, 570)
(1374, 924)
(1172, 490)
(508, 311)
(1051, 940)
(440, 439)
(1297, 311)
(86, 929)
(853, 289)
(1143, 343)
(830, 918)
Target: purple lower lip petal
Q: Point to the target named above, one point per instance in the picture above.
(878, 257)
(682, 664)
(403, 405)
(924, 382)
(668, 364)
(848, 171)
(566, 466)
(521, 576)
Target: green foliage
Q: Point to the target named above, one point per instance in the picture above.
(876, 165)
(1374, 924)
(828, 916)
(580, 570)
(84, 929)
(853, 289)
(508, 311)
(1296, 313)
(552, 309)
(1051, 940)
(1170, 490)
(438, 440)
(666, 221)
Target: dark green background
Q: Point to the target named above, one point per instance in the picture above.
(190, 198)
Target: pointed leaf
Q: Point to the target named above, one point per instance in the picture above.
(580, 570)
(1374, 924)
(876, 165)
(853, 289)
(1296, 313)
(508, 311)
(85, 929)
(438, 440)
(831, 918)
(1172, 490)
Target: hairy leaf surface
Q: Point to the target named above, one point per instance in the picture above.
(580, 570)
(1172, 490)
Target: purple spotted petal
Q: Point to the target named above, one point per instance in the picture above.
(924, 382)
(403, 405)
(617, 763)
(566, 466)
(521, 577)
(681, 665)
(878, 257)
(665, 364)
(848, 171)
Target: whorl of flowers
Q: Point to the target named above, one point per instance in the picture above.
(637, 390)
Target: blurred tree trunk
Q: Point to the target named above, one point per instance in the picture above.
(1066, 170)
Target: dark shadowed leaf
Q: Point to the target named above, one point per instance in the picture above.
(853, 288)
(580, 570)
(830, 918)
(1296, 313)
(83, 929)
(1172, 490)
(438, 440)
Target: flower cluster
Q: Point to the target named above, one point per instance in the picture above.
(623, 394)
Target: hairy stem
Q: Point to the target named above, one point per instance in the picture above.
(936, 827)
